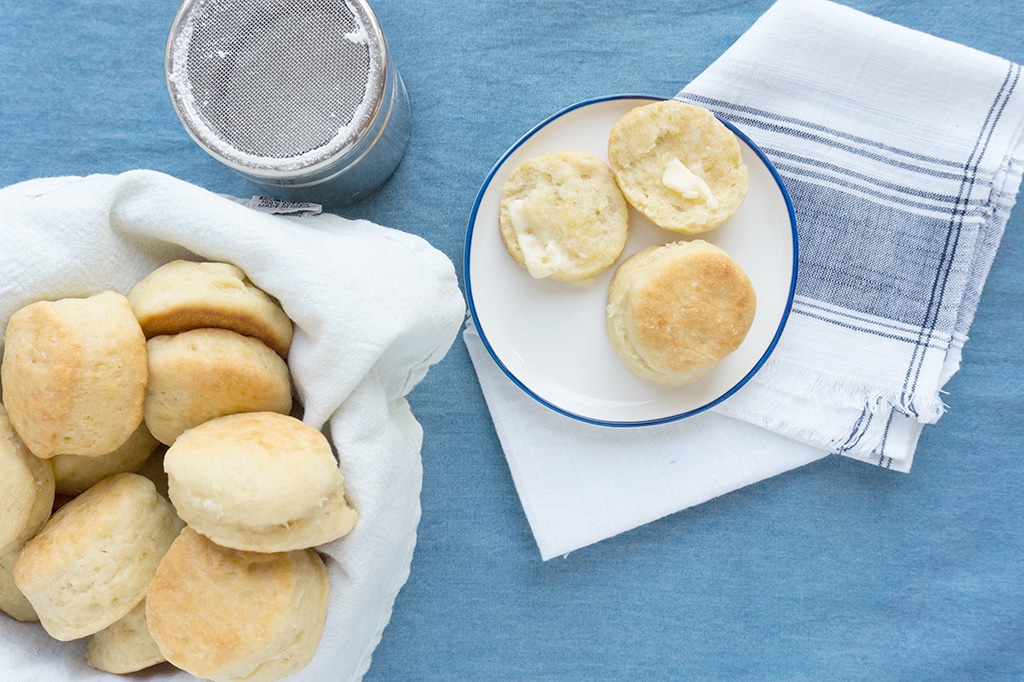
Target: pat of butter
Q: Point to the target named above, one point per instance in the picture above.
(679, 178)
(543, 257)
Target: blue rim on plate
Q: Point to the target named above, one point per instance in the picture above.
(785, 300)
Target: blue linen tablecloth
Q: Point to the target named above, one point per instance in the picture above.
(837, 570)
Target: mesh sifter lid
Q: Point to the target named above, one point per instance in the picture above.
(276, 88)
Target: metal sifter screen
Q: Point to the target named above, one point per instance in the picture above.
(275, 84)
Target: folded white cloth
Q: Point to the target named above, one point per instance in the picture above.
(579, 483)
(373, 308)
(903, 156)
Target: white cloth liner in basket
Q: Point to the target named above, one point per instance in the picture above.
(373, 308)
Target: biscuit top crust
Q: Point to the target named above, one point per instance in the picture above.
(691, 312)
(675, 310)
(74, 374)
(196, 570)
(92, 561)
(201, 374)
(255, 469)
(223, 614)
(183, 295)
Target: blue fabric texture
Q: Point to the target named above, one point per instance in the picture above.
(838, 570)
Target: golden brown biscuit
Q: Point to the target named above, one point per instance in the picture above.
(92, 561)
(183, 295)
(258, 481)
(26, 487)
(678, 165)
(12, 601)
(26, 498)
(75, 474)
(225, 614)
(562, 216)
(124, 646)
(74, 375)
(675, 310)
(201, 374)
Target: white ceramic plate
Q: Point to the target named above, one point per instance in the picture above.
(549, 337)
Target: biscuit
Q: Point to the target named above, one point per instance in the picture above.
(201, 374)
(75, 474)
(26, 487)
(225, 614)
(258, 481)
(678, 165)
(92, 561)
(12, 601)
(676, 310)
(562, 216)
(124, 646)
(183, 295)
(74, 375)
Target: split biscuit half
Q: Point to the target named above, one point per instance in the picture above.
(678, 165)
(563, 217)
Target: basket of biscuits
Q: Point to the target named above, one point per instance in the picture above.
(201, 478)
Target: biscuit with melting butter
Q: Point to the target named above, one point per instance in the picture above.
(563, 217)
(676, 310)
(183, 295)
(678, 165)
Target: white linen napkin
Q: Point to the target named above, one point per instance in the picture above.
(373, 308)
(903, 156)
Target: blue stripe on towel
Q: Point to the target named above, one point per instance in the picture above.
(956, 225)
(845, 268)
(800, 128)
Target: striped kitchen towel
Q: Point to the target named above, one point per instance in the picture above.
(903, 156)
